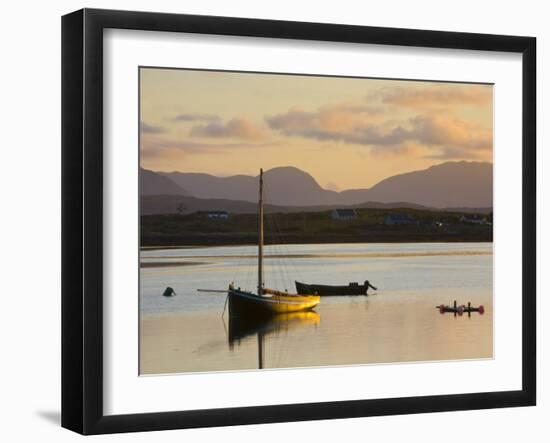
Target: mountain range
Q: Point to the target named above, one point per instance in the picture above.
(450, 184)
(152, 183)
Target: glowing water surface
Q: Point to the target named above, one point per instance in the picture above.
(397, 323)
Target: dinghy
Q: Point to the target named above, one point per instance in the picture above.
(350, 289)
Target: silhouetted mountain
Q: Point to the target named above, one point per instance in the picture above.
(180, 204)
(284, 186)
(291, 186)
(451, 184)
(152, 183)
(237, 187)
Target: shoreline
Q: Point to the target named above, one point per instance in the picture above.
(222, 244)
(145, 264)
(165, 264)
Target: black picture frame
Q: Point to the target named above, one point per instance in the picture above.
(82, 218)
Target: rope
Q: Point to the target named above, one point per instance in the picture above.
(225, 305)
(283, 254)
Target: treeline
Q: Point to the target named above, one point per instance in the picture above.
(368, 226)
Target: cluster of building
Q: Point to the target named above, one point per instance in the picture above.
(390, 219)
(349, 214)
(217, 215)
(475, 219)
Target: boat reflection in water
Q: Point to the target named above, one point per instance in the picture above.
(242, 327)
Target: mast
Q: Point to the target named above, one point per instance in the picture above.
(261, 235)
(260, 350)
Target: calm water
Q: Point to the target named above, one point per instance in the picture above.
(398, 322)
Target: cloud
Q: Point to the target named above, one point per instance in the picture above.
(443, 95)
(196, 117)
(452, 153)
(327, 119)
(149, 129)
(334, 125)
(235, 128)
(158, 147)
(445, 130)
(294, 122)
(446, 134)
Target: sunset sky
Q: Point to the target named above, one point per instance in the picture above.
(347, 133)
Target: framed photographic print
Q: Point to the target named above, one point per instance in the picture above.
(269, 221)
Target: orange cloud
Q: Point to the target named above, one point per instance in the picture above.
(146, 128)
(344, 116)
(235, 128)
(196, 117)
(449, 131)
(328, 118)
(156, 148)
(445, 134)
(444, 95)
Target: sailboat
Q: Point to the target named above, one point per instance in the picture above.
(266, 301)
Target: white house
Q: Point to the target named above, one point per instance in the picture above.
(473, 218)
(344, 214)
(399, 219)
(223, 215)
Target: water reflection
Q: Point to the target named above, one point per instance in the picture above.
(399, 323)
(241, 327)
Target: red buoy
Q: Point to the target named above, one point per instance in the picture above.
(481, 309)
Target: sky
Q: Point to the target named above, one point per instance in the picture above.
(346, 132)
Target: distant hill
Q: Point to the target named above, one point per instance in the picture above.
(179, 204)
(152, 183)
(486, 210)
(291, 186)
(448, 185)
(451, 184)
(287, 186)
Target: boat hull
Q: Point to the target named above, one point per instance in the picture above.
(243, 302)
(304, 288)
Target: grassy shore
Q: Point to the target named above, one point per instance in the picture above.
(310, 227)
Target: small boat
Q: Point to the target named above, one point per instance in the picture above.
(169, 292)
(266, 301)
(350, 289)
(455, 309)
